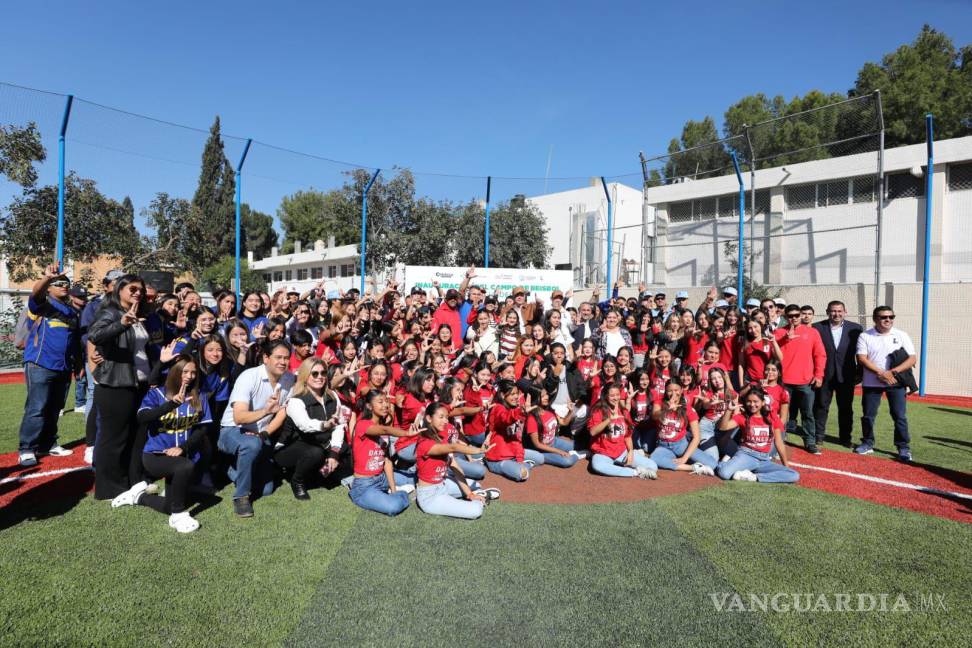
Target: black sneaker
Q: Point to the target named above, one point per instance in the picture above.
(242, 507)
(814, 450)
(300, 491)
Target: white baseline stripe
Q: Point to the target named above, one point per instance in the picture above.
(46, 473)
(888, 482)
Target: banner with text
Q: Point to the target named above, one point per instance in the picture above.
(498, 281)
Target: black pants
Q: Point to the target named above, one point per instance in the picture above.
(115, 408)
(178, 472)
(302, 458)
(845, 409)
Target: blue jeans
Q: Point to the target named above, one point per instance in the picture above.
(253, 467)
(615, 467)
(552, 459)
(510, 468)
(371, 494)
(46, 393)
(445, 499)
(645, 436)
(476, 439)
(760, 464)
(407, 453)
(707, 438)
(897, 403)
(81, 390)
(801, 400)
(668, 451)
(471, 469)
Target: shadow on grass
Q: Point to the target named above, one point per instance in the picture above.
(950, 410)
(52, 498)
(953, 443)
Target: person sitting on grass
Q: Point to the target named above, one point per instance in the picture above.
(760, 430)
(611, 445)
(507, 456)
(376, 486)
(542, 425)
(674, 420)
(257, 410)
(176, 419)
(713, 401)
(441, 484)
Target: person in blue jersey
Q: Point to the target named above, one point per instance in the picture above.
(51, 353)
(163, 324)
(176, 417)
(251, 314)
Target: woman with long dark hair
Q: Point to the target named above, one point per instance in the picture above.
(760, 430)
(120, 338)
(678, 435)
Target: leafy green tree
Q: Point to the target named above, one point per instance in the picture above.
(93, 225)
(221, 274)
(929, 75)
(312, 215)
(517, 235)
(20, 149)
(179, 241)
(260, 235)
(215, 200)
(687, 160)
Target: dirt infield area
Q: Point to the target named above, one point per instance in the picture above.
(578, 485)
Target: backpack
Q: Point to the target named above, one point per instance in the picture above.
(23, 330)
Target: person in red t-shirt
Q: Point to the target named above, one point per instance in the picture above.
(507, 456)
(712, 357)
(437, 492)
(542, 425)
(776, 395)
(641, 399)
(612, 449)
(804, 364)
(451, 393)
(376, 487)
(479, 394)
(756, 352)
(675, 450)
(760, 429)
(421, 392)
(713, 402)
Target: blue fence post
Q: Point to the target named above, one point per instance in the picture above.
(610, 235)
(364, 226)
(742, 218)
(239, 195)
(60, 183)
(930, 138)
(489, 182)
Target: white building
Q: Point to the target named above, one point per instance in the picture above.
(577, 231)
(304, 269)
(817, 222)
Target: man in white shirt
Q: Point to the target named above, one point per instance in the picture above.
(874, 348)
(256, 410)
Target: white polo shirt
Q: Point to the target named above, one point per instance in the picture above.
(878, 347)
(253, 388)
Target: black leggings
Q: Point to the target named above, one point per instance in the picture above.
(115, 465)
(178, 473)
(301, 457)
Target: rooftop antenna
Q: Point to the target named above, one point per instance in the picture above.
(547, 174)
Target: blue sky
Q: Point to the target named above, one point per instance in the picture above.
(460, 88)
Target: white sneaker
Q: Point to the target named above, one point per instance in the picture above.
(27, 459)
(646, 473)
(79, 410)
(702, 469)
(580, 454)
(89, 455)
(60, 451)
(129, 497)
(489, 493)
(744, 475)
(183, 522)
(530, 462)
(407, 488)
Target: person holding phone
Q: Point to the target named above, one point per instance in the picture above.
(175, 418)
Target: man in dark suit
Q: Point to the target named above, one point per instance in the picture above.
(587, 323)
(842, 373)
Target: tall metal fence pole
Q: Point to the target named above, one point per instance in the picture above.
(489, 182)
(239, 195)
(930, 137)
(742, 234)
(60, 182)
(752, 200)
(364, 226)
(610, 234)
(880, 202)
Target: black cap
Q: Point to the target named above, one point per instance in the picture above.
(79, 291)
(416, 290)
(452, 293)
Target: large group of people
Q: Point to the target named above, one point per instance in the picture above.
(413, 394)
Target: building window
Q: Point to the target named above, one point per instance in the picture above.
(278, 276)
(905, 185)
(832, 193)
(729, 206)
(317, 273)
(301, 274)
(347, 269)
(704, 209)
(801, 197)
(266, 277)
(863, 189)
(680, 212)
(960, 177)
(288, 275)
(331, 271)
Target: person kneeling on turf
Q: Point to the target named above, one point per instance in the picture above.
(760, 429)
(674, 420)
(438, 492)
(613, 450)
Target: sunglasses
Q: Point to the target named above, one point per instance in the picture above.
(318, 374)
(886, 317)
(792, 315)
(61, 283)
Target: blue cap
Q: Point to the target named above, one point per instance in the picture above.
(681, 294)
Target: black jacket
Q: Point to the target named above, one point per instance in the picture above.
(576, 386)
(116, 344)
(578, 333)
(841, 361)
